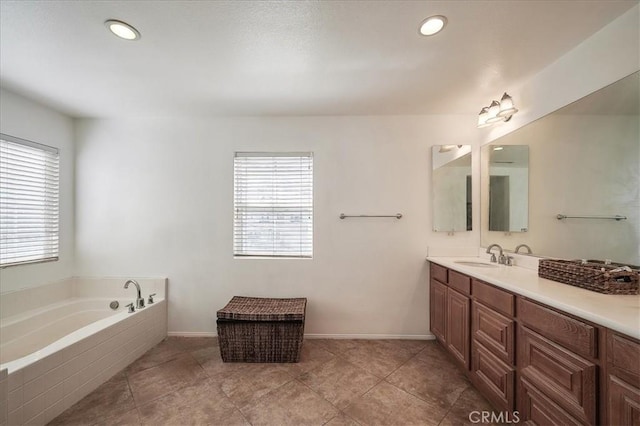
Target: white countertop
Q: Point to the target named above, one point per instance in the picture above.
(617, 312)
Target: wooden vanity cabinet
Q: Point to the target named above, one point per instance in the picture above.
(450, 310)
(623, 381)
(550, 366)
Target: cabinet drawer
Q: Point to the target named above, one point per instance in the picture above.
(537, 408)
(494, 297)
(623, 355)
(565, 378)
(573, 334)
(440, 273)
(494, 331)
(494, 378)
(460, 282)
(624, 403)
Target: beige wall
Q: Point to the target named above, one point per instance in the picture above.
(155, 197)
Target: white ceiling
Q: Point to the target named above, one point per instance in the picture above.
(284, 57)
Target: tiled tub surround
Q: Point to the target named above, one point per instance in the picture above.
(617, 312)
(77, 341)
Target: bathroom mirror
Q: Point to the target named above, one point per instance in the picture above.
(584, 179)
(508, 187)
(451, 186)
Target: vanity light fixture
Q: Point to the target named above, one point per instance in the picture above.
(498, 148)
(433, 25)
(122, 29)
(497, 111)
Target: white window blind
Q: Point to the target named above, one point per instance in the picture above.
(29, 188)
(273, 202)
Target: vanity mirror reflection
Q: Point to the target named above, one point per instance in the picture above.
(508, 196)
(451, 186)
(584, 163)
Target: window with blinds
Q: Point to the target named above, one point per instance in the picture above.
(29, 188)
(273, 202)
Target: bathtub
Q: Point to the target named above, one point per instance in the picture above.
(60, 341)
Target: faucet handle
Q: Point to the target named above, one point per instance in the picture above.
(151, 298)
(132, 309)
(502, 259)
(493, 258)
(509, 261)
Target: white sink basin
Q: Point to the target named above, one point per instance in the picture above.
(476, 264)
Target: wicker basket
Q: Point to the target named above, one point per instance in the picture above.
(252, 329)
(593, 275)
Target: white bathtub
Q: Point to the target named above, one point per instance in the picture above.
(60, 341)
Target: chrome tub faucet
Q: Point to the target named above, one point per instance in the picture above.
(139, 298)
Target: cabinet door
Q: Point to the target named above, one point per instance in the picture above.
(494, 378)
(624, 403)
(438, 310)
(564, 377)
(457, 331)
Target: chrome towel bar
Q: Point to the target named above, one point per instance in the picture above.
(616, 217)
(397, 216)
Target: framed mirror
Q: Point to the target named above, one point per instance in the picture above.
(584, 179)
(451, 188)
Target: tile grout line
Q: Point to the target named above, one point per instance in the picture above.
(218, 385)
(135, 403)
(210, 381)
(163, 395)
(419, 396)
(341, 410)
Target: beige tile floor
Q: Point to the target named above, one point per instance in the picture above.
(183, 381)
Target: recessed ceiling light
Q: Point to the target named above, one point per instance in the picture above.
(433, 25)
(122, 29)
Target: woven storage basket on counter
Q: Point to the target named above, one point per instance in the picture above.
(593, 275)
(254, 329)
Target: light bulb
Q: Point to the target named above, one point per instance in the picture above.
(122, 29)
(506, 106)
(482, 117)
(433, 25)
(494, 109)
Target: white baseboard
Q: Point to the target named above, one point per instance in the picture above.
(192, 334)
(371, 336)
(320, 336)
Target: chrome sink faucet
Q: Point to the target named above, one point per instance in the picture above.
(523, 246)
(501, 257)
(139, 298)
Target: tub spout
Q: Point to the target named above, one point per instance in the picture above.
(139, 298)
